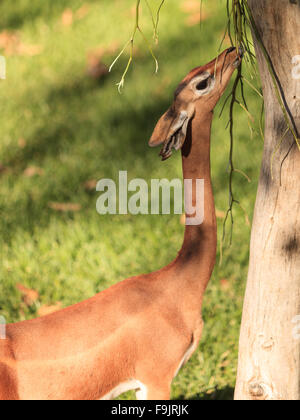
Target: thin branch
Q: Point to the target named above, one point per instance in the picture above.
(232, 169)
(130, 42)
(157, 18)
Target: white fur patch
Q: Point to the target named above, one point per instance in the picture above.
(132, 385)
(142, 393)
(186, 357)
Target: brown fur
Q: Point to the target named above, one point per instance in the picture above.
(138, 329)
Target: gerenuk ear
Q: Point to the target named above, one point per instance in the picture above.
(171, 130)
(162, 128)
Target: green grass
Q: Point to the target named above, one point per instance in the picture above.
(77, 129)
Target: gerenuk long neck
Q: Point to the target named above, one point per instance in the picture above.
(197, 257)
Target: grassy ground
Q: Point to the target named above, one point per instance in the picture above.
(74, 128)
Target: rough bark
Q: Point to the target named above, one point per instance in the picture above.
(269, 358)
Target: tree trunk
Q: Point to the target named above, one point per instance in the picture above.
(269, 358)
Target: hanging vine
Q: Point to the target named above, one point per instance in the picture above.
(240, 20)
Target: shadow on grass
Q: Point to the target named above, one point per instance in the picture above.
(66, 124)
(14, 17)
(68, 101)
(92, 132)
(90, 140)
(61, 126)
